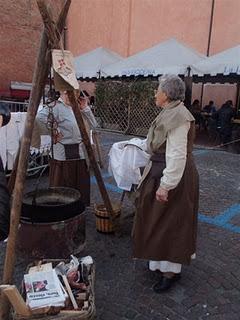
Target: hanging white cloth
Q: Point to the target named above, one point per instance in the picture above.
(14, 132)
(10, 137)
(125, 160)
(3, 145)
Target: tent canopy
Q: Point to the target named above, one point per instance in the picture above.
(170, 56)
(89, 65)
(226, 62)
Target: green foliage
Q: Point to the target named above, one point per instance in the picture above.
(129, 106)
(115, 92)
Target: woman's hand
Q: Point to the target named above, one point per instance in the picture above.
(162, 194)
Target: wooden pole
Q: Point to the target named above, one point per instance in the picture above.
(12, 177)
(98, 148)
(40, 74)
(188, 85)
(55, 43)
(238, 98)
(91, 155)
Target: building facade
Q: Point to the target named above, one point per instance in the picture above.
(124, 26)
(129, 26)
(20, 31)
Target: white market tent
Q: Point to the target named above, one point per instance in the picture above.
(170, 56)
(90, 64)
(225, 63)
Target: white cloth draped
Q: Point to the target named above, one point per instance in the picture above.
(125, 159)
(10, 136)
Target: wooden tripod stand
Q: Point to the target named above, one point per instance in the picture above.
(49, 40)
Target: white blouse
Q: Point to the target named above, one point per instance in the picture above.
(176, 155)
(67, 125)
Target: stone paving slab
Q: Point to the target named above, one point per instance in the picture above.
(209, 288)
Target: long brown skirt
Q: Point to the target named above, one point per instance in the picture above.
(72, 174)
(167, 231)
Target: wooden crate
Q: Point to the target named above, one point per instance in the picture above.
(51, 312)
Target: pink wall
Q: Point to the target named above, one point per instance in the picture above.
(226, 25)
(128, 26)
(156, 20)
(219, 93)
(98, 23)
(21, 26)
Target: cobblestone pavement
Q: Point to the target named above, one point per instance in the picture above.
(209, 288)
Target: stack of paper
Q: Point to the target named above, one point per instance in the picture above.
(44, 289)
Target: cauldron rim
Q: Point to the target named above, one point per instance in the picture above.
(29, 196)
(55, 212)
(22, 221)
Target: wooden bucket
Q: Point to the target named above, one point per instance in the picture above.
(103, 221)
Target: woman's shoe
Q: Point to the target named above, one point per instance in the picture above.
(166, 283)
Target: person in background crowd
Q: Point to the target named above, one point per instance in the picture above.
(195, 110)
(230, 103)
(68, 166)
(210, 108)
(5, 116)
(165, 226)
(208, 120)
(224, 121)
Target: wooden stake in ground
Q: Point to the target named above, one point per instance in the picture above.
(73, 99)
(39, 79)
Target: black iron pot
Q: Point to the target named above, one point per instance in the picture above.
(52, 223)
(51, 205)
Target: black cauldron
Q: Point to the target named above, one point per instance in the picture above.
(51, 205)
(52, 223)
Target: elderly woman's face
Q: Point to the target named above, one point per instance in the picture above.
(161, 98)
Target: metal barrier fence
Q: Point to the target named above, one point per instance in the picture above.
(15, 106)
(126, 107)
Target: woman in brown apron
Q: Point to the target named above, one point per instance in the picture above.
(167, 204)
(68, 166)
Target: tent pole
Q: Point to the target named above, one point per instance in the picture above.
(188, 84)
(238, 97)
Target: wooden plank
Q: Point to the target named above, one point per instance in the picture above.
(40, 75)
(69, 291)
(16, 301)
